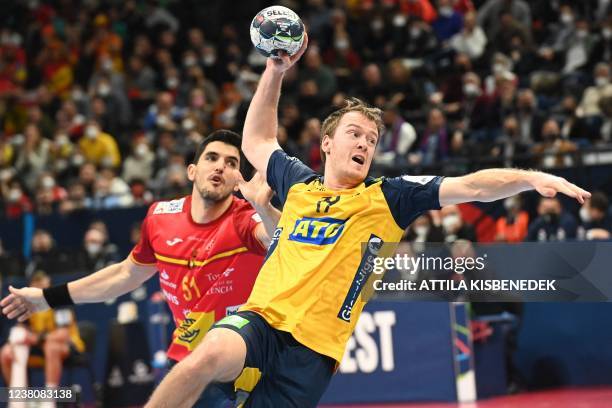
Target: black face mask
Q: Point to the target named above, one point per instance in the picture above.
(551, 218)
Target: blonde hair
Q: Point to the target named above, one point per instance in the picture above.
(330, 124)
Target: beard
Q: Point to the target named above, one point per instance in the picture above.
(212, 196)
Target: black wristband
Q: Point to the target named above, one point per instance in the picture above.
(57, 296)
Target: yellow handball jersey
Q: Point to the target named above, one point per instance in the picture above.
(314, 273)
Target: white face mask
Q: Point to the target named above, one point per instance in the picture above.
(399, 20)
(415, 31)
(104, 89)
(498, 68)
(421, 230)
(607, 33)
(602, 81)
(48, 182)
(188, 124)
(91, 132)
(14, 195)
(93, 248)
(567, 18)
(342, 44)
(189, 62)
(471, 89)
(451, 222)
(61, 140)
(585, 215)
(172, 83)
(141, 150)
(446, 11)
(510, 203)
(209, 60)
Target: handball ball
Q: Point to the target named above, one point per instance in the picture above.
(277, 28)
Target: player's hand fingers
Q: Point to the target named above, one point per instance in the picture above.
(582, 194)
(7, 300)
(10, 308)
(302, 49)
(17, 312)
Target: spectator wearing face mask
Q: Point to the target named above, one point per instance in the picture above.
(46, 255)
(471, 40)
(98, 147)
(552, 223)
(396, 140)
(454, 226)
(448, 23)
(513, 227)
(595, 217)
(554, 151)
(424, 230)
(602, 88)
(16, 201)
(139, 164)
(97, 252)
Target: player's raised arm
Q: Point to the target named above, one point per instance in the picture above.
(107, 283)
(261, 124)
(495, 184)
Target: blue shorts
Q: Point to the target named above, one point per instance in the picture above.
(292, 375)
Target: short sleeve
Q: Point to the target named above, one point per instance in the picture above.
(245, 222)
(143, 253)
(285, 171)
(410, 196)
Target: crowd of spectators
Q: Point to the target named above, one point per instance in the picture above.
(102, 103)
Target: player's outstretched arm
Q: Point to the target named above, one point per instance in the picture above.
(107, 283)
(261, 123)
(494, 184)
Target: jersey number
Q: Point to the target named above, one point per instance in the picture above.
(326, 203)
(188, 285)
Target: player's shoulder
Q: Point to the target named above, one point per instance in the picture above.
(176, 206)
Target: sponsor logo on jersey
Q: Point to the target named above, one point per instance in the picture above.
(256, 217)
(191, 331)
(174, 241)
(165, 275)
(231, 310)
(318, 231)
(366, 266)
(418, 179)
(169, 207)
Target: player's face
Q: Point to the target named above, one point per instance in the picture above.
(351, 150)
(215, 175)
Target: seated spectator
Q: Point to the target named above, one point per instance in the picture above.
(602, 88)
(139, 164)
(97, 251)
(552, 223)
(596, 220)
(454, 227)
(448, 23)
(512, 227)
(33, 157)
(163, 115)
(16, 200)
(77, 198)
(471, 40)
(98, 147)
(435, 140)
(554, 151)
(397, 139)
(49, 195)
(424, 230)
(53, 336)
(46, 256)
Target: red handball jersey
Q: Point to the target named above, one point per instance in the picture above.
(206, 271)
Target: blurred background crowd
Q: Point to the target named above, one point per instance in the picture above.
(102, 103)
